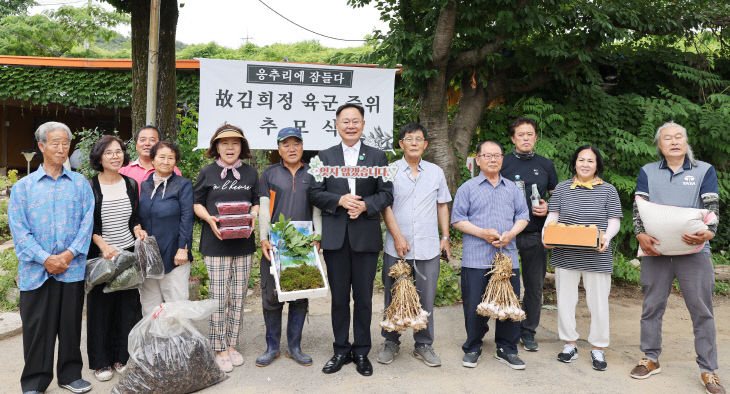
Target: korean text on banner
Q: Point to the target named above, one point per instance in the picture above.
(263, 97)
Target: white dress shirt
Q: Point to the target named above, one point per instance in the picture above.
(350, 153)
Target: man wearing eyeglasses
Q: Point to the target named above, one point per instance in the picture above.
(420, 208)
(351, 237)
(490, 210)
(532, 169)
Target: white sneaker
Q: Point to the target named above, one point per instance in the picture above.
(104, 374)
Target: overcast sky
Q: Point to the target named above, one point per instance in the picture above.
(229, 22)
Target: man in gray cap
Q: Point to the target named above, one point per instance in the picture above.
(283, 189)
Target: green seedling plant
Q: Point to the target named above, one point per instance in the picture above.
(298, 246)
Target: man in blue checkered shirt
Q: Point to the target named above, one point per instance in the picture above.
(490, 210)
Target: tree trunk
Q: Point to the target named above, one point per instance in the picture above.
(434, 110)
(166, 79)
(166, 82)
(140, 11)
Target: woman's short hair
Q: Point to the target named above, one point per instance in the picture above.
(212, 151)
(599, 159)
(97, 151)
(165, 144)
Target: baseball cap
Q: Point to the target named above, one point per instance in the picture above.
(289, 132)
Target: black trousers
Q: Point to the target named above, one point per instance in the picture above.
(109, 319)
(269, 300)
(349, 270)
(54, 309)
(534, 263)
(507, 332)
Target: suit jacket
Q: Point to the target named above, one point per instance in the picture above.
(168, 218)
(364, 233)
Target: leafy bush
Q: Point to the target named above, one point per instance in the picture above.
(8, 264)
(9, 180)
(191, 160)
(447, 289)
(197, 266)
(624, 272)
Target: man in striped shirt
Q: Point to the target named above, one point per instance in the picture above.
(490, 210)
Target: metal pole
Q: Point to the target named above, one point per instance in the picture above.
(154, 44)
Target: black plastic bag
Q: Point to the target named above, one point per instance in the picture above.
(150, 259)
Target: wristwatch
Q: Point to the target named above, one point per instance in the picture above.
(446, 239)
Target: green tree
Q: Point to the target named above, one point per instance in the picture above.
(489, 49)
(15, 7)
(166, 105)
(56, 33)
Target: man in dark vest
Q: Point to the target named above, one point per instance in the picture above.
(523, 164)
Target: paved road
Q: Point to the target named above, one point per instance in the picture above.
(543, 374)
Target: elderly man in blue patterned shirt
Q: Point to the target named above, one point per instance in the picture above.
(490, 210)
(51, 215)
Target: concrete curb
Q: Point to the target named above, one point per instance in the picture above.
(10, 324)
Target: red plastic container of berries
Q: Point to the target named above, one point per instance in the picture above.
(236, 232)
(235, 220)
(233, 207)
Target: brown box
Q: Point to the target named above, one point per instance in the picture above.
(572, 237)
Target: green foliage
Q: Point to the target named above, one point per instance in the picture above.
(7, 181)
(8, 264)
(301, 277)
(303, 51)
(68, 87)
(57, 32)
(447, 288)
(197, 266)
(624, 272)
(722, 289)
(191, 160)
(86, 140)
(15, 7)
(297, 244)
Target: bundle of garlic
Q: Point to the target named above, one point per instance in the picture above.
(499, 300)
(405, 307)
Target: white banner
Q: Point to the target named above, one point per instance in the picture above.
(263, 97)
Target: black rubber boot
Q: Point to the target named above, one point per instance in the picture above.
(273, 336)
(294, 336)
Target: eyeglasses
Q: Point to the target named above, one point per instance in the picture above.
(411, 139)
(110, 154)
(490, 156)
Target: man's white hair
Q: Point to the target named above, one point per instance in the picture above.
(41, 134)
(690, 154)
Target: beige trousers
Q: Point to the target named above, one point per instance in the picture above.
(598, 287)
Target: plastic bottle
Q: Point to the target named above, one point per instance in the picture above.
(535, 196)
(521, 184)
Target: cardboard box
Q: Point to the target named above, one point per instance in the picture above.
(572, 237)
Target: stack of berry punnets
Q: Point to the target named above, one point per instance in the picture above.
(499, 300)
(234, 220)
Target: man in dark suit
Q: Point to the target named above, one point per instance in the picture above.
(351, 237)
